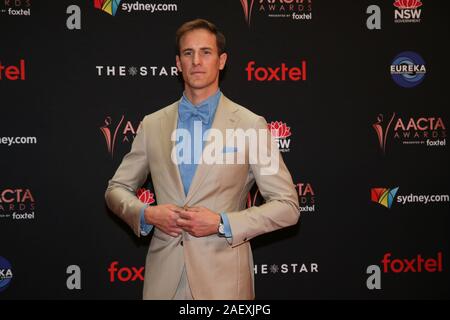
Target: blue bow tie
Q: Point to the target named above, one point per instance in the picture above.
(186, 110)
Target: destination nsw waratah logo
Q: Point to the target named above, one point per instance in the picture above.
(281, 133)
(146, 196)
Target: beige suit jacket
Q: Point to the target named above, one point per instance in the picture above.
(216, 268)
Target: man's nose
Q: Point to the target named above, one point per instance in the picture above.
(196, 59)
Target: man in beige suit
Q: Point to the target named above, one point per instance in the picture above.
(200, 247)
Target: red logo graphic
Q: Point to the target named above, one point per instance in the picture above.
(145, 196)
(407, 4)
(407, 11)
(382, 130)
(280, 132)
(281, 73)
(110, 134)
(13, 72)
(279, 129)
(247, 6)
(109, 137)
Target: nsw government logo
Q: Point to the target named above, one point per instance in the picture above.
(408, 69)
(281, 133)
(407, 11)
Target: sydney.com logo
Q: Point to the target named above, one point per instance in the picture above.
(112, 6)
(387, 196)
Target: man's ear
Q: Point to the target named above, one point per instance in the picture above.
(222, 60)
(177, 59)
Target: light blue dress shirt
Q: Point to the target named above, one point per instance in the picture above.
(189, 120)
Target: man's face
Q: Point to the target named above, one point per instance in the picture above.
(199, 60)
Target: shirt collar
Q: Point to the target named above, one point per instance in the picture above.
(212, 100)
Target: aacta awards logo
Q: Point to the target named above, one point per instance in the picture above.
(13, 72)
(407, 11)
(281, 133)
(6, 273)
(306, 197)
(395, 266)
(429, 131)
(113, 133)
(408, 69)
(16, 7)
(17, 204)
(298, 10)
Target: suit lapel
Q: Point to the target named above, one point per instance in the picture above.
(168, 125)
(225, 118)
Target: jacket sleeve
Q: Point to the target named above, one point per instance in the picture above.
(275, 184)
(120, 194)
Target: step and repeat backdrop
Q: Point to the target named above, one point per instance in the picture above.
(355, 92)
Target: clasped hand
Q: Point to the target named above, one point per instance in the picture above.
(171, 219)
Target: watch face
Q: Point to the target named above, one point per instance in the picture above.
(221, 229)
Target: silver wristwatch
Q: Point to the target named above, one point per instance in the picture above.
(221, 229)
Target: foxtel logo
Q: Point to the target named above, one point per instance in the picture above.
(13, 72)
(281, 73)
(124, 274)
(415, 265)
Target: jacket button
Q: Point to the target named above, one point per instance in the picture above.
(181, 242)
